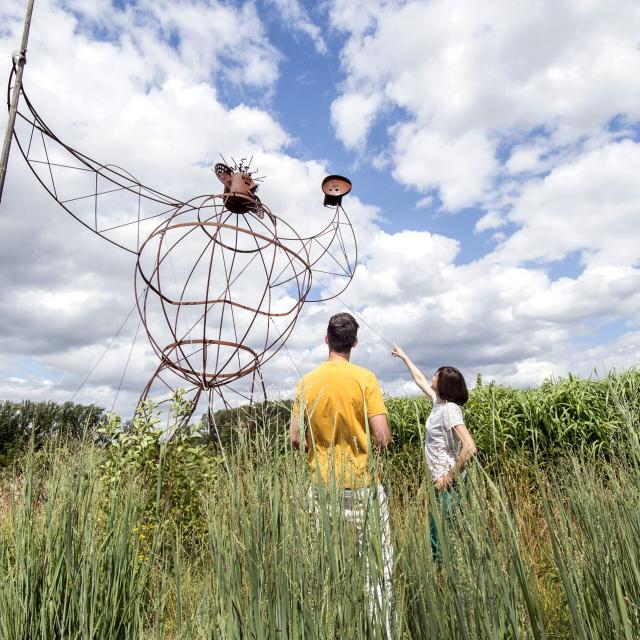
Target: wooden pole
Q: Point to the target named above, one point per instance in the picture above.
(19, 60)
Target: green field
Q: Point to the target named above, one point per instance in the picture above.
(138, 539)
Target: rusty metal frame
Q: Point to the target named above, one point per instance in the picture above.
(236, 211)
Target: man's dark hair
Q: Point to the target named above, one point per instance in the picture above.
(450, 385)
(342, 332)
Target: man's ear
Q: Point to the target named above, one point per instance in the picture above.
(326, 339)
(355, 344)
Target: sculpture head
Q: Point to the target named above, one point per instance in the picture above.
(239, 189)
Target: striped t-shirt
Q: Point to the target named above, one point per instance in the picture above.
(441, 446)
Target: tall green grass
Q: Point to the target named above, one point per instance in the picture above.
(553, 554)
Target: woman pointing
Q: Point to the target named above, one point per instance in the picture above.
(448, 444)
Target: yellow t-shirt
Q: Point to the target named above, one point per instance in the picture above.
(333, 401)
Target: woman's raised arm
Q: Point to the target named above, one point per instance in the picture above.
(416, 374)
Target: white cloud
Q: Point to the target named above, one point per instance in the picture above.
(353, 116)
(491, 220)
(460, 167)
(142, 97)
(527, 158)
(615, 355)
(588, 204)
(592, 362)
(296, 17)
(466, 77)
(598, 292)
(507, 107)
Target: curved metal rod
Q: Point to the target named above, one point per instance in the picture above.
(177, 353)
(122, 180)
(350, 262)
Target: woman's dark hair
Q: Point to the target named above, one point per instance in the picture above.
(342, 332)
(450, 385)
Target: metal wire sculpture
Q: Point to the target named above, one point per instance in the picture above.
(220, 279)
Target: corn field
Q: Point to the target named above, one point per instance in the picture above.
(144, 539)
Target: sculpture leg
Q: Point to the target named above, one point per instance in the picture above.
(176, 399)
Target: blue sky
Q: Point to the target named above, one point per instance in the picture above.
(491, 147)
(302, 99)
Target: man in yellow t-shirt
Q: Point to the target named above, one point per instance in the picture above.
(342, 408)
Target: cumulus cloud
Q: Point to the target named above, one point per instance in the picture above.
(491, 220)
(353, 116)
(470, 77)
(588, 204)
(528, 113)
(459, 167)
(141, 88)
(297, 18)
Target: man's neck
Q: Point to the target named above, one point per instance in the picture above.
(334, 356)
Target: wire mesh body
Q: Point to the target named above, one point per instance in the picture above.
(220, 292)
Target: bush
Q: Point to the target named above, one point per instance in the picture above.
(171, 473)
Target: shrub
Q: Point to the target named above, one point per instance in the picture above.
(171, 469)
